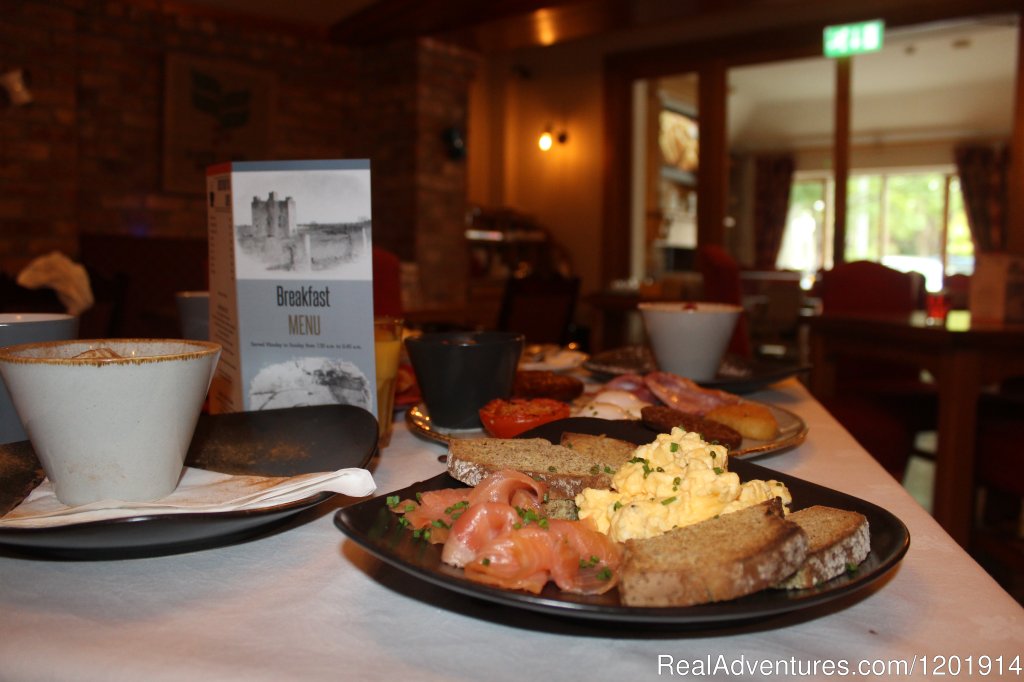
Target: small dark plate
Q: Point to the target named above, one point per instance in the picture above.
(375, 527)
(284, 442)
(744, 375)
(736, 374)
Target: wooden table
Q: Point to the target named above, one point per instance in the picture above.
(963, 357)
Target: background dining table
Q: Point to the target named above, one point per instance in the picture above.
(963, 357)
(305, 603)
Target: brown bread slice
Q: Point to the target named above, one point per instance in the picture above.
(722, 558)
(604, 448)
(566, 471)
(836, 541)
(560, 509)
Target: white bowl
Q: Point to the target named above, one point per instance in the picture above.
(689, 339)
(110, 428)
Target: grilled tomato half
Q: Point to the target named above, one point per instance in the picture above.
(509, 418)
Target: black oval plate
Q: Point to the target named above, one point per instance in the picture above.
(284, 442)
(375, 527)
(736, 374)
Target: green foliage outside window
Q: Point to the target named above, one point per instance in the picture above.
(898, 218)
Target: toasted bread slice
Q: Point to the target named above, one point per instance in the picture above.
(560, 509)
(750, 419)
(836, 541)
(604, 448)
(722, 558)
(566, 471)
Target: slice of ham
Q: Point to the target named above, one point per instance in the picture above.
(685, 395)
(634, 383)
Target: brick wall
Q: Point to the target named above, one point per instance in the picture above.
(86, 156)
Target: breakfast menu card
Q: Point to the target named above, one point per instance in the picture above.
(291, 284)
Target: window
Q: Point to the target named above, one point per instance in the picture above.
(912, 220)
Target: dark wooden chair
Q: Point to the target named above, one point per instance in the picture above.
(882, 404)
(540, 308)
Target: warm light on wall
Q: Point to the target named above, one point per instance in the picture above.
(547, 139)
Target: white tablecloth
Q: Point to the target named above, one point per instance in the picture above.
(305, 603)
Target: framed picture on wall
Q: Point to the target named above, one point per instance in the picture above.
(214, 112)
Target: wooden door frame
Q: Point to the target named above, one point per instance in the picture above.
(711, 58)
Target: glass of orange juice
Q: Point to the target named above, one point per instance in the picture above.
(387, 343)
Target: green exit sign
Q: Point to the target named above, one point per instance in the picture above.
(847, 39)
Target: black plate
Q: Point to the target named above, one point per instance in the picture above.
(285, 442)
(736, 374)
(792, 431)
(373, 526)
(744, 375)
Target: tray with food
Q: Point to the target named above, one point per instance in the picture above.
(656, 400)
(592, 527)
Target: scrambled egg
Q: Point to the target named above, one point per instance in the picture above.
(674, 481)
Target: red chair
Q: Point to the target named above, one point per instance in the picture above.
(869, 288)
(387, 284)
(882, 404)
(721, 275)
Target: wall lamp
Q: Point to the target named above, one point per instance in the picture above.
(548, 138)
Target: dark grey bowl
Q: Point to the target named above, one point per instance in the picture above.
(460, 372)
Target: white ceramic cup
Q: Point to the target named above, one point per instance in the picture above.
(110, 428)
(18, 328)
(689, 339)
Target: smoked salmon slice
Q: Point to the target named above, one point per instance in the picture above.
(511, 487)
(498, 534)
(475, 528)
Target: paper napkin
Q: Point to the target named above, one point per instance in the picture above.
(198, 491)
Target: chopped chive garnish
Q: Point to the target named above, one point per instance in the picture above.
(392, 500)
(668, 500)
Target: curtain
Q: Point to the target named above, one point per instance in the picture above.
(983, 173)
(773, 177)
